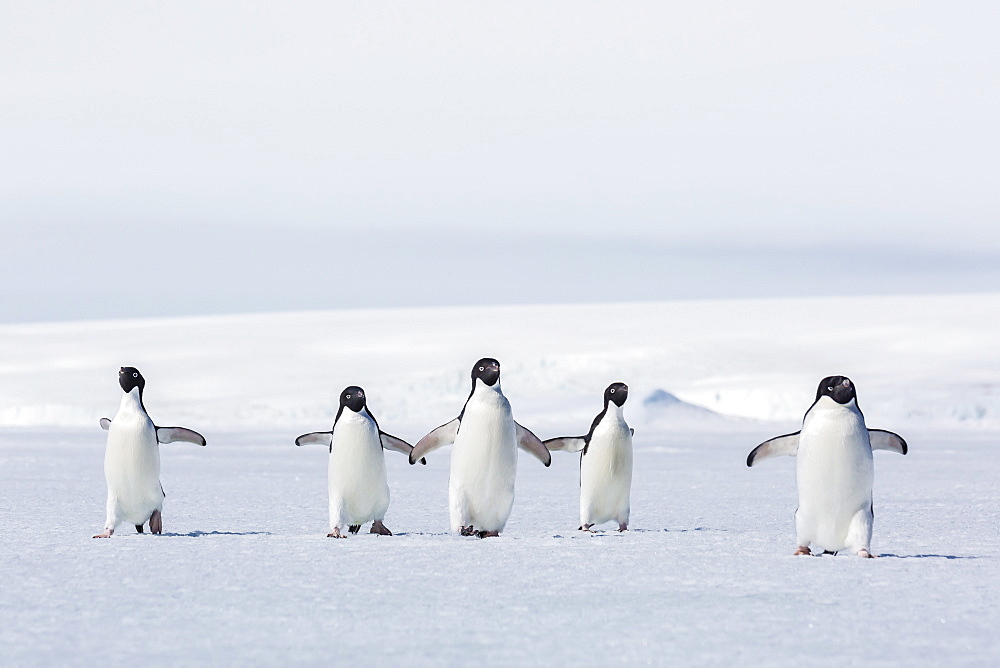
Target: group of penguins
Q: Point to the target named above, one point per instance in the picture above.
(834, 467)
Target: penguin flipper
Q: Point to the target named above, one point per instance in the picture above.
(174, 434)
(531, 443)
(390, 442)
(316, 438)
(566, 443)
(779, 445)
(105, 424)
(443, 435)
(887, 440)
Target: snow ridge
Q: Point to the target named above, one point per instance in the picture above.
(930, 361)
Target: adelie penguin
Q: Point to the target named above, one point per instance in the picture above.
(834, 470)
(605, 462)
(359, 490)
(132, 459)
(484, 456)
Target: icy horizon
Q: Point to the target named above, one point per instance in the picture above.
(917, 359)
(51, 273)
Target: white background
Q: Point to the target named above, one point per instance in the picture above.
(165, 159)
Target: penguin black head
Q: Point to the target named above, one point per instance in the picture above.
(353, 397)
(486, 370)
(616, 392)
(130, 378)
(838, 388)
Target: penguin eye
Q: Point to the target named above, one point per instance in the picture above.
(612, 391)
(135, 375)
(830, 389)
(348, 396)
(480, 368)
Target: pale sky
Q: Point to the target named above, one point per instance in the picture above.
(860, 130)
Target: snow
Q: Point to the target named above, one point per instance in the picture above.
(244, 573)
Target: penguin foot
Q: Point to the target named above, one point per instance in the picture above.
(380, 529)
(107, 534)
(586, 527)
(622, 527)
(865, 554)
(354, 528)
(800, 551)
(488, 534)
(138, 528)
(156, 522)
(468, 531)
(335, 533)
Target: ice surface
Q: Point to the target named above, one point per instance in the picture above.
(244, 573)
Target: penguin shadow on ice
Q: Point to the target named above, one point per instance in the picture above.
(357, 483)
(199, 534)
(484, 439)
(605, 462)
(132, 459)
(834, 470)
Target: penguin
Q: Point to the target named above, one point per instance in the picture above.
(484, 456)
(132, 459)
(605, 462)
(359, 491)
(834, 470)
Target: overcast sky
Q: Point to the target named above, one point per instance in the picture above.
(759, 137)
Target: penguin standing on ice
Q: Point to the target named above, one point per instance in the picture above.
(605, 462)
(132, 459)
(359, 490)
(834, 470)
(484, 455)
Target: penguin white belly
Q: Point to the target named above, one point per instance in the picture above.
(606, 474)
(834, 474)
(132, 467)
(359, 490)
(483, 464)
